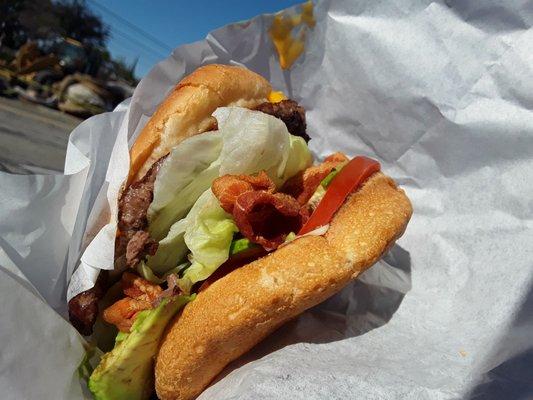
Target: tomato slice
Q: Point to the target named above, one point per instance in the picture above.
(347, 180)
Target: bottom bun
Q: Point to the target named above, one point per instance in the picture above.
(242, 308)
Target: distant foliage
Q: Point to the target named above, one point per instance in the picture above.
(78, 22)
(12, 31)
(23, 20)
(29, 19)
(125, 71)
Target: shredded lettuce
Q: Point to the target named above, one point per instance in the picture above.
(146, 272)
(320, 191)
(182, 203)
(327, 180)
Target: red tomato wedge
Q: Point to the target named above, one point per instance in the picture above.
(358, 170)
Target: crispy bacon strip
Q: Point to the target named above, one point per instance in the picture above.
(303, 185)
(123, 312)
(336, 157)
(171, 290)
(141, 294)
(266, 218)
(228, 187)
(138, 288)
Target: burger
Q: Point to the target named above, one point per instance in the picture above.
(227, 229)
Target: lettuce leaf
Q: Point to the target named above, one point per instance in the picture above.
(146, 272)
(246, 143)
(187, 172)
(299, 158)
(171, 249)
(254, 141)
(251, 141)
(206, 233)
(208, 237)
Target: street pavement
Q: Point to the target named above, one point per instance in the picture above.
(33, 138)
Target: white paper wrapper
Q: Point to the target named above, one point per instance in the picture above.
(441, 94)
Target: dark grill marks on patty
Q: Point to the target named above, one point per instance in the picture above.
(133, 242)
(138, 246)
(135, 200)
(292, 114)
(132, 218)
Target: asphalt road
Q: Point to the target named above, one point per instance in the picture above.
(33, 138)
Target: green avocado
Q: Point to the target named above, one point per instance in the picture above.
(126, 372)
(240, 245)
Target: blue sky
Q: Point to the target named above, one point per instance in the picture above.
(170, 23)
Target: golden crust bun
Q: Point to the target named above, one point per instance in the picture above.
(237, 311)
(187, 110)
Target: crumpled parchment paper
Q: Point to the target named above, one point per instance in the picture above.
(442, 94)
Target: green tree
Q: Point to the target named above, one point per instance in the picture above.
(125, 71)
(78, 22)
(12, 32)
(39, 20)
(21, 20)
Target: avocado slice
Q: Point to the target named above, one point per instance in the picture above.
(240, 245)
(126, 372)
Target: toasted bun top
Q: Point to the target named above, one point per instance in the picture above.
(187, 110)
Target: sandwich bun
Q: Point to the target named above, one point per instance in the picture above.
(188, 110)
(237, 311)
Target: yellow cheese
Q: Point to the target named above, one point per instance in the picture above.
(276, 97)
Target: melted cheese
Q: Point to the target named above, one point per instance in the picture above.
(276, 97)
